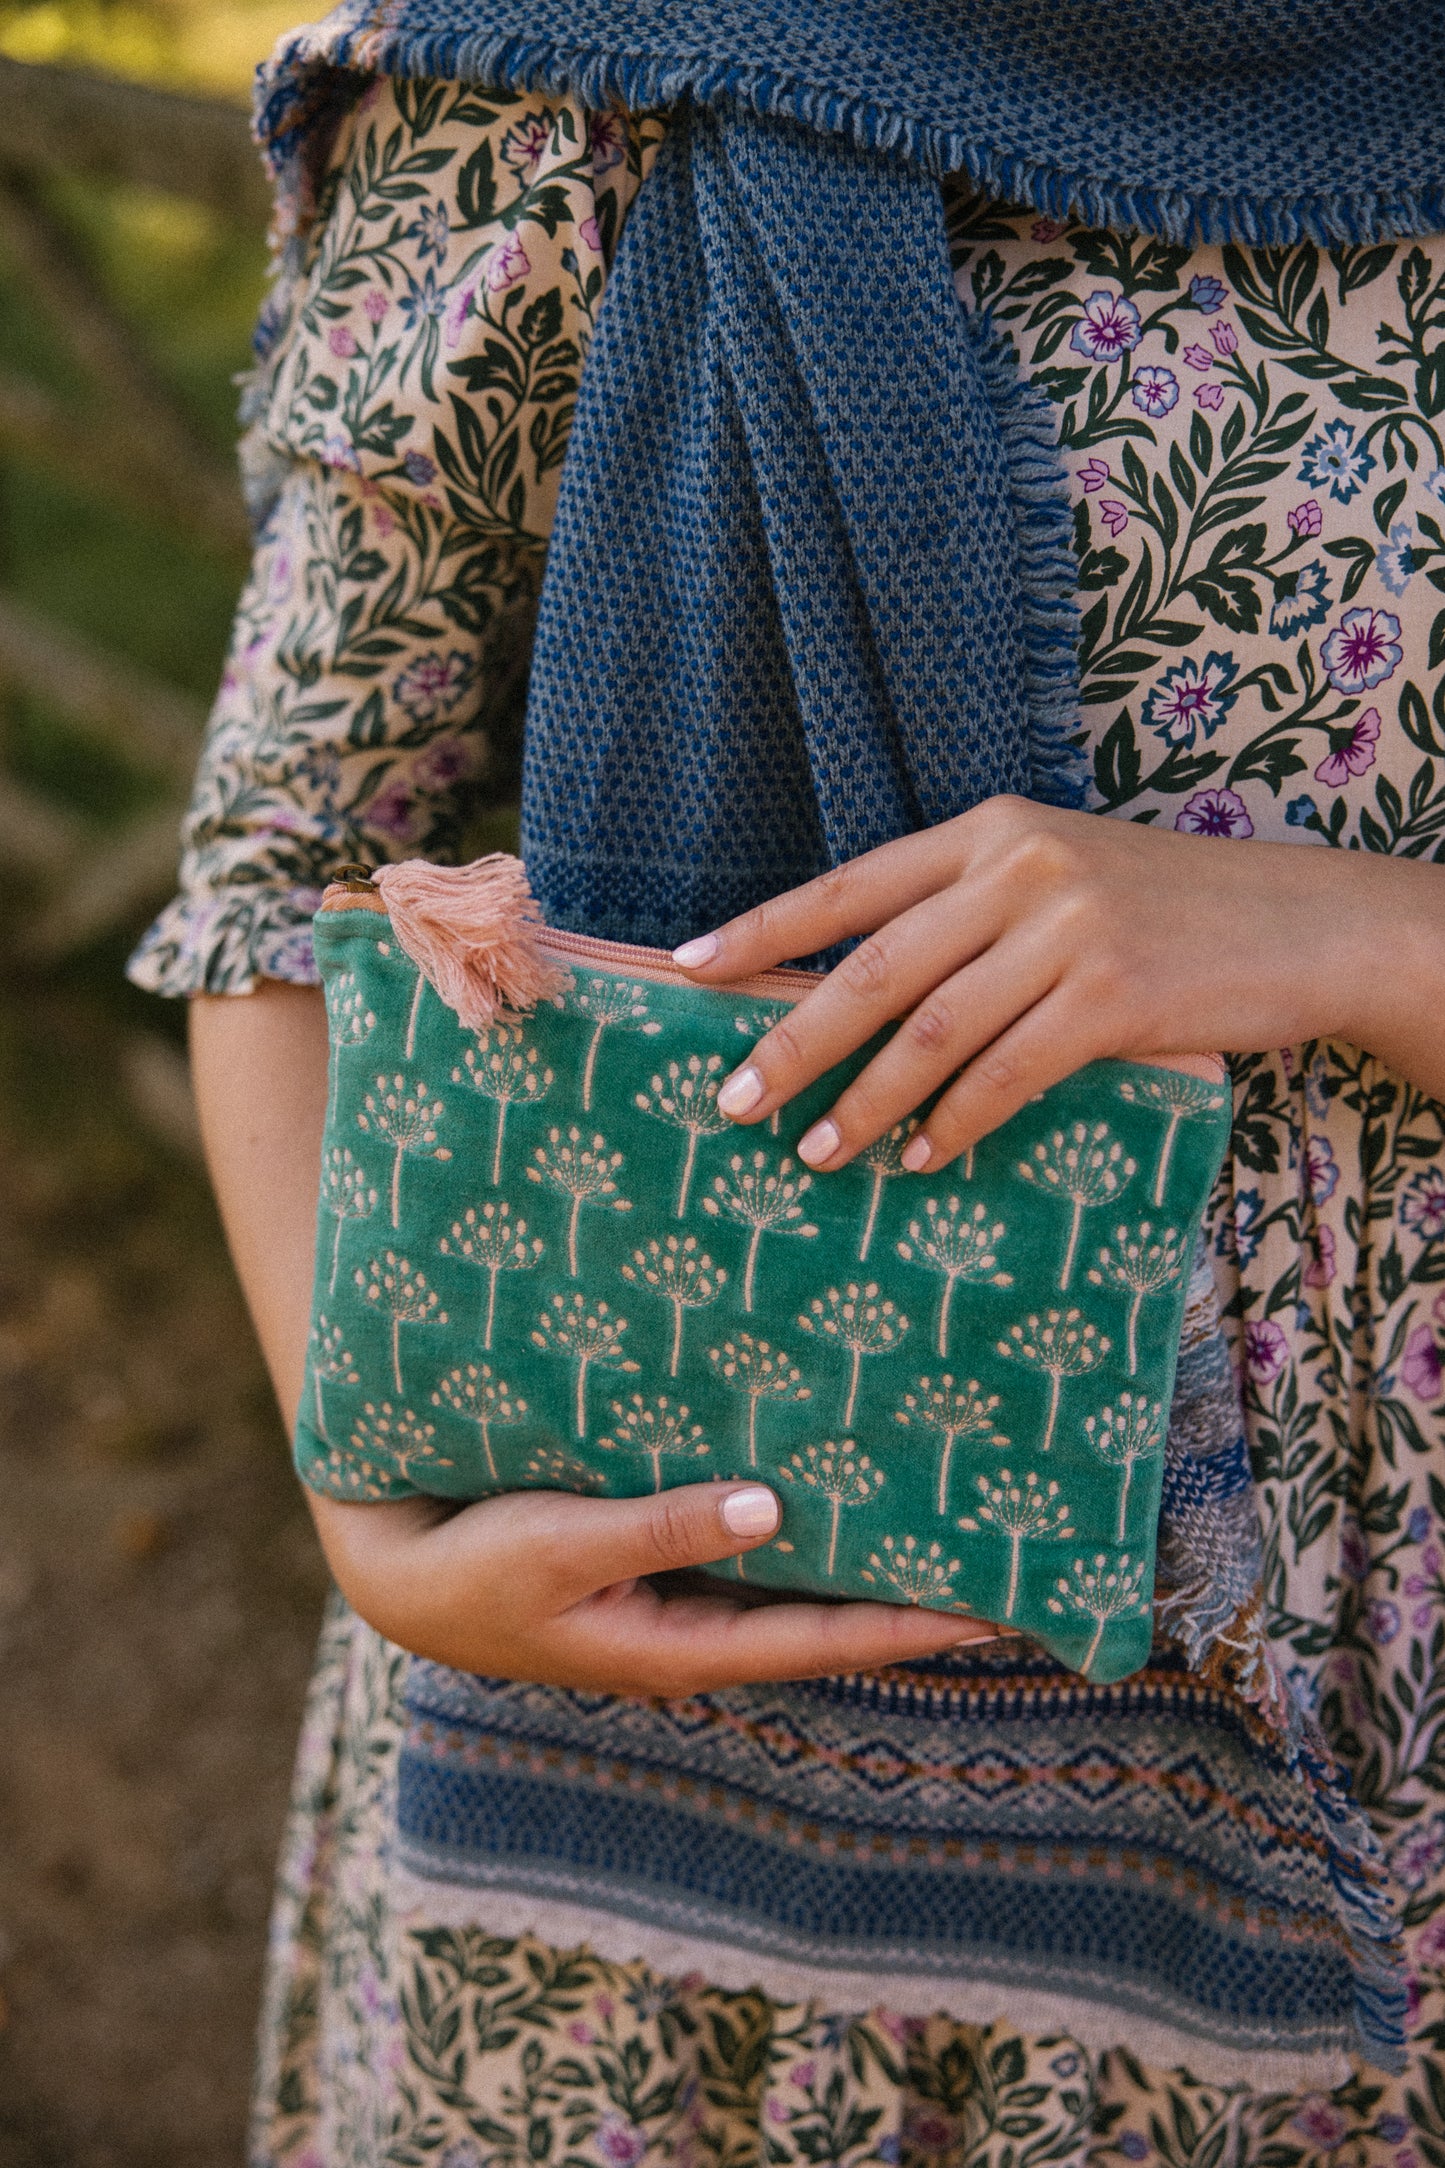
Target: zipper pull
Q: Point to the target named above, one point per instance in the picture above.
(356, 878)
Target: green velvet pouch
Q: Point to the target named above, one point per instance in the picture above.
(546, 1259)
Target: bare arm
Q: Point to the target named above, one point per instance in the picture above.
(531, 1586)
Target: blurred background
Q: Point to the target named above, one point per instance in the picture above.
(159, 1587)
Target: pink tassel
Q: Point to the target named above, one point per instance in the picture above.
(471, 932)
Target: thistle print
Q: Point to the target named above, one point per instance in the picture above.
(477, 1397)
(687, 1097)
(756, 1025)
(342, 1477)
(349, 1021)
(330, 1365)
(586, 1334)
(506, 1070)
(551, 1469)
(488, 1238)
(403, 1115)
(1103, 1592)
(392, 1286)
(839, 1473)
(608, 1003)
(920, 1576)
(402, 1438)
(1142, 1263)
(345, 1194)
(654, 1427)
(1179, 1098)
(1085, 1164)
(1131, 1431)
(960, 1244)
(859, 1319)
(750, 1366)
(1026, 1512)
(953, 1412)
(1062, 1345)
(765, 1198)
(680, 1273)
(884, 1159)
(584, 1172)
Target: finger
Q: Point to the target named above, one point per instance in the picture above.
(571, 1547)
(697, 1645)
(954, 1022)
(1053, 1040)
(849, 899)
(884, 978)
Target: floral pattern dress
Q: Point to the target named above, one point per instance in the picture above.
(1256, 446)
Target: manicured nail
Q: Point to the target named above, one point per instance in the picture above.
(916, 1154)
(742, 1090)
(751, 1512)
(819, 1145)
(971, 1641)
(693, 954)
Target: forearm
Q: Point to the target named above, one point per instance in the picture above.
(259, 1065)
(1392, 968)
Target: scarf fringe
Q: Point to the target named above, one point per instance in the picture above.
(285, 102)
(1048, 571)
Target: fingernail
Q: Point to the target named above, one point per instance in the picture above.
(694, 953)
(819, 1145)
(916, 1154)
(971, 1641)
(751, 1512)
(742, 1090)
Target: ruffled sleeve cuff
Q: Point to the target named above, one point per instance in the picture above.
(228, 940)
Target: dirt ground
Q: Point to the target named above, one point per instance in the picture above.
(159, 1595)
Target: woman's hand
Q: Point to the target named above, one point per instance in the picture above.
(1018, 943)
(552, 1589)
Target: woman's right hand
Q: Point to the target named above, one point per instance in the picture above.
(555, 1589)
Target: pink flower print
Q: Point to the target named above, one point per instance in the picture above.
(375, 305)
(1354, 1556)
(383, 520)
(1362, 651)
(1382, 1621)
(581, 2033)
(392, 812)
(431, 685)
(621, 2144)
(1114, 515)
(1355, 755)
(606, 2008)
(1305, 519)
(805, 2075)
(1420, 1369)
(1199, 357)
(1226, 339)
(590, 234)
(607, 141)
(1321, 2122)
(507, 265)
(1209, 395)
(929, 2132)
(1320, 1270)
(525, 145)
(777, 2113)
(1419, 1853)
(460, 302)
(1094, 473)
(1265, 1350)
(1322, 1175)
(1214, 813)
(1044, 230)
(443, 764)
(1430, 1949)
(1422, 1204)
(1108, 329)
(341, 342)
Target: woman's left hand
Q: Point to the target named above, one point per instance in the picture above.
(1017, 943)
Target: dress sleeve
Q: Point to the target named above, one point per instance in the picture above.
(413, 413)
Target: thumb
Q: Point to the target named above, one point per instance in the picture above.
(623, 1539)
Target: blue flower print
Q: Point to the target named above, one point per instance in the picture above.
(1155, 391)
(1334, 460)
(420, 302)
(430, 230)
(1362, 651)
(1395, 560)
(1108, 329)
(1207, 294)
(1248, 1211)
(1192, 699)
(1300, 812)
(1301, 599)
(419, 468)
